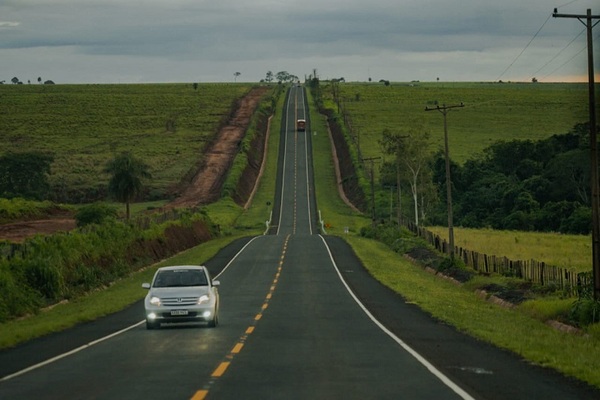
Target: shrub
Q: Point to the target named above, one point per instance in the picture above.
(585, 311)
(16, 299)
(46, 277)
(95, 213)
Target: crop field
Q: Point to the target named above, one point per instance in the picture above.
(84, 126)
(491, 112)
(573, 252)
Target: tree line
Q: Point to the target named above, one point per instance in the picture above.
(17, 81)
(25, 175)
(513, 185)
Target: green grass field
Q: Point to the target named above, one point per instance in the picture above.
(567, 251)
(492, 112)
(84, 126)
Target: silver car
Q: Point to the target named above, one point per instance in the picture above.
(183, 293)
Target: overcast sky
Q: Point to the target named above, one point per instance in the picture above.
(143, 41)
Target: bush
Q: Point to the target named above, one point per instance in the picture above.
(45, 277)
(16, 299)
(585, 311)
(96, 213)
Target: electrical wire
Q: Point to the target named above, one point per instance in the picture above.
(522, 51)
(571, 2)
(559, 53)
(569, 60)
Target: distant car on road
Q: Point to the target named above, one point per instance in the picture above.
(301, 125)
(183, 293)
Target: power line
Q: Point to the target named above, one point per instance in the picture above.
(522, 51)
(568, 61)
(571, 2)
(559, 53)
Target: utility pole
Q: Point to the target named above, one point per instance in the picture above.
(587, 21)
(444, 109)
(372, 159)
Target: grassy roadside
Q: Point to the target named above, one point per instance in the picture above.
(235, 223)
(99, 303)
(519, 331)
(573, 355)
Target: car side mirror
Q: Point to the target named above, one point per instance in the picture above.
(146, 285)
(216, 283)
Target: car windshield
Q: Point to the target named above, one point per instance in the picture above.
(180, 277)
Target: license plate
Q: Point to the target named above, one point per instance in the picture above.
(179, 312)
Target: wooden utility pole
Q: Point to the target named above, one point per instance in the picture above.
(587, 20)
(444, 109)
(372, 159)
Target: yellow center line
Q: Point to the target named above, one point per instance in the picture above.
(200, 395)
(220, 369)
(237, 348)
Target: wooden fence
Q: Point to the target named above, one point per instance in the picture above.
(533, 271)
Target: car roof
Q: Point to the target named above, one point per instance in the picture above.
(176, 267)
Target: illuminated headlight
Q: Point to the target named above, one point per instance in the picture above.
(151, 316)
(203, 299)
(155, 301)
(206, 314)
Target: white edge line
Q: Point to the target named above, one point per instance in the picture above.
(102, 339)
(77, 350)
(437, 373)
(236, 256)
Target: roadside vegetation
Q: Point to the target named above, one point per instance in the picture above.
(521, 329)
(538, 305)
(107, 245)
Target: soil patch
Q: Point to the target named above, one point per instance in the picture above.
(204, 188)
(206, 185)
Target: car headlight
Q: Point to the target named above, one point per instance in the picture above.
(203, 299)
(155, 301)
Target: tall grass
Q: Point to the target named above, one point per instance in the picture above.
(567, 251)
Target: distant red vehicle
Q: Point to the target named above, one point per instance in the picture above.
(301, 125)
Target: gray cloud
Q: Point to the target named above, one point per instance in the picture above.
(205, 40)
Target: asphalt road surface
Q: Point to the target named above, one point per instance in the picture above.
(300, 319)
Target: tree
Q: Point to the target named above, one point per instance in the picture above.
(269, 76)
(126, 181)
(39, 79)
(412, 156)
(25, 175)
(15, 80)
(282, 76)
(236, 74)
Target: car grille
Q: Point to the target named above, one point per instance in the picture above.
(179, 301)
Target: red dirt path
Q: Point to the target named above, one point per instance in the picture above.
(204, 188)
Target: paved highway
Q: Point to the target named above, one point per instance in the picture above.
(300, 319)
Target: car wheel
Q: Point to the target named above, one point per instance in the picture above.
(152, 325)
(214, 322)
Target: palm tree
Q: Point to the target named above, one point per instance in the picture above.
(126, 181)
